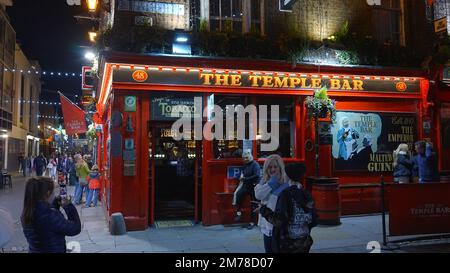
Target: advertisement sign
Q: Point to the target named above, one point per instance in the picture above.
(130, 104)
(419, 209)
(264, 80)
(169, 108)
(366, 141)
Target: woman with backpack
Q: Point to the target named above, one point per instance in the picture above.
(294, 215)
(273, 182)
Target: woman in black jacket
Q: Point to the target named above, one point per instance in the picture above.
(403, 165)
(44, 226)
(294, 215)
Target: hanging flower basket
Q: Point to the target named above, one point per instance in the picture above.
(320, 106)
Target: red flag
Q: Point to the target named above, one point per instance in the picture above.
(74, 120)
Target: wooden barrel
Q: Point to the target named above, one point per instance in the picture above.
(328, 203)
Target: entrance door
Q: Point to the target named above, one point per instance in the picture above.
(173, 164)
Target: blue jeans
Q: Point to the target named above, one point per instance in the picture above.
(92, 193)
(268, 244)
(79, 192)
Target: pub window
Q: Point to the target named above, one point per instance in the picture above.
(286, 148)
(231, 148)
(225, 15)
(386, 22)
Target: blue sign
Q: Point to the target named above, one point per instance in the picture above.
(234, 172)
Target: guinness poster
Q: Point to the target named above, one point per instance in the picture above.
(366, 141)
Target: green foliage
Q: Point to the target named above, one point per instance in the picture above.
(319, 105)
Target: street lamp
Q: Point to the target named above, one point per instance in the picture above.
(89, 55)
(92, 5)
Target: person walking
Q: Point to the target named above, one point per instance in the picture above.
(44, 226)
(403, 165)
(82, 171)
(294, 215)
(94, 186)
(425, 163)
(250, 176)
(40, 164)
(273, 182)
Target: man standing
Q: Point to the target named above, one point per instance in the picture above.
(425, 163)
(40, 163)
(249, 178)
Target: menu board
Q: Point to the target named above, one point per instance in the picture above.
(365, 141)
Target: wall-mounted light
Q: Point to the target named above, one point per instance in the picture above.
(4, 136)
(92, 5)
(92, 36)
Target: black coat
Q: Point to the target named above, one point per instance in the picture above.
(49, 228)
(252, 173)
(281, 217)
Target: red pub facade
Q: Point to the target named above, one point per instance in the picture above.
(140, 160)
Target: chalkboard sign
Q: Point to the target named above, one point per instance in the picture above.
(366, 141)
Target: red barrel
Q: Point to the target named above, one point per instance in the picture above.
(328, 203)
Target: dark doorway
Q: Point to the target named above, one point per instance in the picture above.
(174, 166)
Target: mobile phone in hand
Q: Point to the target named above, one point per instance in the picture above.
(63, 191)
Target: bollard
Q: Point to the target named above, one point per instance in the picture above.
(117, 225)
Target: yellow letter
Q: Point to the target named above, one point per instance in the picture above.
(208, 77)
(236, 80)
(294, 82)
(316, 83)
(358, 85)
(335, 84)
(280, 83)
(346, 85)
(267, 81)
(221, 80)
(255, 80)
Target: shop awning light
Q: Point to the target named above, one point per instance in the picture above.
(92, 36)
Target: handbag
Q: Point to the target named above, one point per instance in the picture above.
(301, 245)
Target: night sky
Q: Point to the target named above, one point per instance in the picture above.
(48, 32)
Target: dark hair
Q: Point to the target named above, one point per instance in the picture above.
(295, 171)
(421, 144)
(36, 190)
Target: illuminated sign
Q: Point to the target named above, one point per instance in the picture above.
(151, 7)
(87, 80)
(266, 80)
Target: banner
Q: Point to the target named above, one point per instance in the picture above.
(419, 209)
(366, 141)
(74, 119)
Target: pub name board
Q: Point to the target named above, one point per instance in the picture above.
(283, 81)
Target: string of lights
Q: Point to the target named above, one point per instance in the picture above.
(44, 73)
(50, 117)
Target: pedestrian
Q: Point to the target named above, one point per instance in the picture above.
(20, 161)
(52, 167)
(24, 165)
(273, 182)
(250, 176)
(82, 171)
(40, 164)
(32, 169)
(425, 163)
(403, 164)
(73, 179)
(94, 183)
(44, 226)
(294, 215)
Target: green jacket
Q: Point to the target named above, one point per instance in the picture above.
(83, 171)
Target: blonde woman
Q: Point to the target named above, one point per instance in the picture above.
(403, 164)
(82, 171)
(273, 182)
